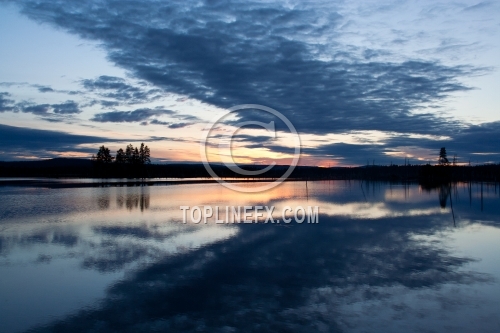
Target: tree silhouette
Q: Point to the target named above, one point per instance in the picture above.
(120, 156)
(103, 155)
(144, 154)
(443, 160)
(135, 156)
(129, 154)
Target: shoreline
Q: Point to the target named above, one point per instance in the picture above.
(55, 183)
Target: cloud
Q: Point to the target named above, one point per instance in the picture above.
(44, 89)
(292, 58)
(66, 108)
(232, 52)
(69, 107)
(478, 6)
(178, 125)
(118, 89)
(9, 105)
(138, 115)
(159, 122)
(38, 109)
(165, 123)
(108, 104)
(470, 141)
(105, 82)
(357, 154)
(6, 104)
(19, 141)
(475, 143)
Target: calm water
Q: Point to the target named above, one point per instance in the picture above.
(383, 258)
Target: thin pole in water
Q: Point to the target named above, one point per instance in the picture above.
(481, 196)
(470, 194)
(451, 205)
(307, 192)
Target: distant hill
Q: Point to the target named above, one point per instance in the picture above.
(56, 167)
(49, 163)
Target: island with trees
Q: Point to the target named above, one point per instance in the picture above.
(128, 163)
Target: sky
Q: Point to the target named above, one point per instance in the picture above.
(361, 81)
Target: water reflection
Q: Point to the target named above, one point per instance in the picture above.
(444, 193)
(381, 253)
(134, 200)
(129, 197)
(103, 202)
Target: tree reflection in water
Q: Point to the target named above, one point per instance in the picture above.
(134, 200)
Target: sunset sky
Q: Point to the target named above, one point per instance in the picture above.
(360, 80)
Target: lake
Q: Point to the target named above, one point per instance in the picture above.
(381, 257)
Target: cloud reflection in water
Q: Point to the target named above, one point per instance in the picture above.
(370, 251)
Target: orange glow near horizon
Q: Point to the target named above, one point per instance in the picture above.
(183, 145)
